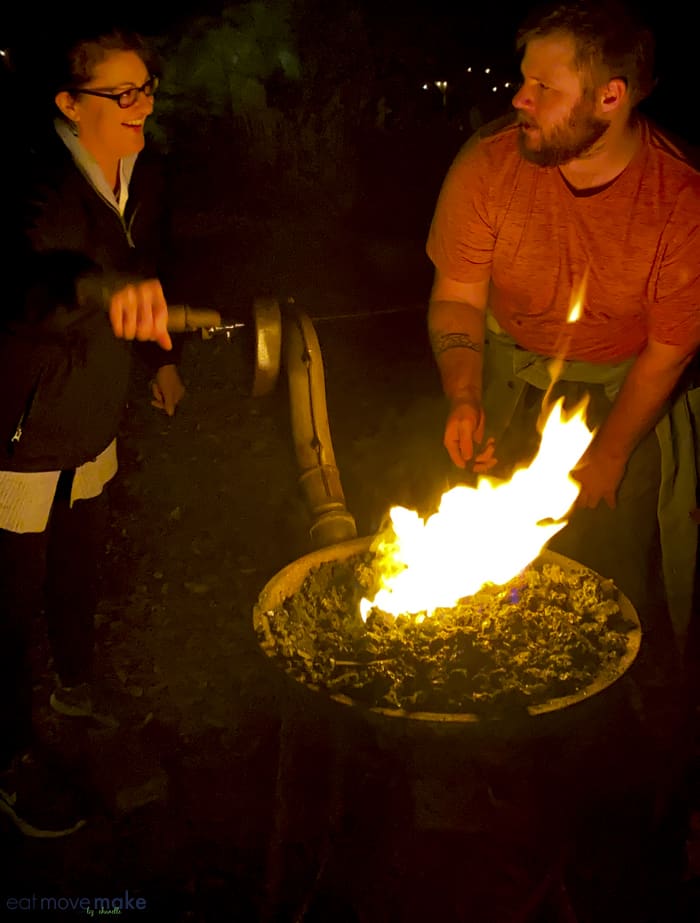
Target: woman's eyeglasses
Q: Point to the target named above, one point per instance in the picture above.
(126, 98)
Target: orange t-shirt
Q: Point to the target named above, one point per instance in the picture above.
(637, 239)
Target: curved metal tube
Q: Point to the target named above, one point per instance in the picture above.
(319, 478)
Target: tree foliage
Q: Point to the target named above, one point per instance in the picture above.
(217, 66)
(284, 85)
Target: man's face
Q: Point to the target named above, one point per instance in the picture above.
(557, 116)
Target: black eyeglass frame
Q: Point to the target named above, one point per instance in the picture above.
(148, 89)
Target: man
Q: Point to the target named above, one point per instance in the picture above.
(578, 194)
(578, 197)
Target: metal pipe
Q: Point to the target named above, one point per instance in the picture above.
(319, 479)
(183, 319)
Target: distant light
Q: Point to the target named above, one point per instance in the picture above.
(441, 84)
(3, 53)
(488, 70)
(506, 85)
(469, 70)
(494, 89)
(425, 86)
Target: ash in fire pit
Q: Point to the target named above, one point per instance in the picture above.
(552, 636)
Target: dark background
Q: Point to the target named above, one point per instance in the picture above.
(306, 103)
(306, 158)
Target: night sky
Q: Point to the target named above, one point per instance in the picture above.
(448, 35)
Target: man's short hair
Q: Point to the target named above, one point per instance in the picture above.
(609, 41)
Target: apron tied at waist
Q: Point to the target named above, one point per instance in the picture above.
(508, 369)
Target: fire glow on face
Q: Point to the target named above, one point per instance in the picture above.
(481, 535)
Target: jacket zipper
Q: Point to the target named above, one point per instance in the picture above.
(129, 226)
(125, 227)
(19, 429)
(17, 435)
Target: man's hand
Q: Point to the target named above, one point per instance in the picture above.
(636, 410)
(599, 475)
(139, 311)
(168, 389)
(464, 431)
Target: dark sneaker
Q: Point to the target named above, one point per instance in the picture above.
(77, 702)
(30, 798)
(73, 701)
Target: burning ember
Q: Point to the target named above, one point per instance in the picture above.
(481, 535)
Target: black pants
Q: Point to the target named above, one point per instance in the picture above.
(56, 572)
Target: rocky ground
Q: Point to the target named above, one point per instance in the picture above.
(228, 794)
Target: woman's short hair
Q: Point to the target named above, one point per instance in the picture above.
(76, 60)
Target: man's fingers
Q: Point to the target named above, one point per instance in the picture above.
(458, 442)
(464, 427)
(453, 450)
(486, 459)
(479, 432)
(480, 467)
(488, 452)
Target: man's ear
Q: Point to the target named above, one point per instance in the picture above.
(67, 104)
(612, 94)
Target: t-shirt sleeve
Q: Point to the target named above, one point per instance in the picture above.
(674, 314)
(461, 238)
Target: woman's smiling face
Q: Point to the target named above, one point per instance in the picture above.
(105, 130)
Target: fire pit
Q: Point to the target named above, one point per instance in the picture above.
(464, 615)
(495, 789)
(288, 582)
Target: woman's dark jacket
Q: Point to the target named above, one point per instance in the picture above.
(63, 373)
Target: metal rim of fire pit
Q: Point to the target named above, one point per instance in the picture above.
(287, 581)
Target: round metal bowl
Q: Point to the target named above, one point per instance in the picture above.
(285, 583)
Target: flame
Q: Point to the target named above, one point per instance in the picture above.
(556, 365)
(483, 534)
(579, 293)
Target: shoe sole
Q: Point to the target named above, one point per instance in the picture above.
(72, 711)
(75, 711)
(30, 830)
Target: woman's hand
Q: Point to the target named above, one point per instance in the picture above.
(139, 311)
(168, 389)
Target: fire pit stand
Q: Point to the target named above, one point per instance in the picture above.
(472, 812)
(412, 821)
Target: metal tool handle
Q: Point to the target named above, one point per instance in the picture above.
(183, 318)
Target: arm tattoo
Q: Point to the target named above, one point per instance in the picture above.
(441, 342)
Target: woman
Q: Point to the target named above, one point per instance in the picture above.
(90, 208)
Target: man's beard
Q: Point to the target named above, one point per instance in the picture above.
(568, 141)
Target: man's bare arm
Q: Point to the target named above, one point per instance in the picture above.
(637, 408)
(640, 403)
(456, 323)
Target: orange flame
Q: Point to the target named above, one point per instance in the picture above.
(576, 305)
(483, 534)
